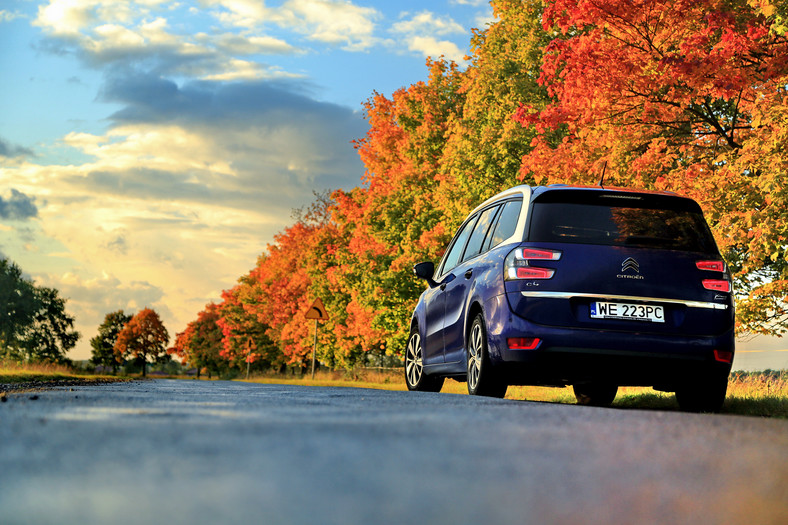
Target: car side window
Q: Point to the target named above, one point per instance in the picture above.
(480, 233)
(507, 222)
(458, 246)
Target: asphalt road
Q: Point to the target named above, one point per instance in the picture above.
(191, 452)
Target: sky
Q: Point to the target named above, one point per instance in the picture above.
(150, 149)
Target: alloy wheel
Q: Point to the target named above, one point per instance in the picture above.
(413, 360)
(475, 356)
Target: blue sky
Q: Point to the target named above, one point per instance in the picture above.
(150, 149)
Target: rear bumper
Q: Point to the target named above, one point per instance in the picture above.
(572, 355)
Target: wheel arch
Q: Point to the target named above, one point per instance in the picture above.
(474, 309)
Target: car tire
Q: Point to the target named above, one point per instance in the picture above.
(415, 377)
(595, 394)
(704, 394)
(483, 379)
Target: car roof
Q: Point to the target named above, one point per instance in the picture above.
(527, 191)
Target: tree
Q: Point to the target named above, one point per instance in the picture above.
(687, 96)
(103, 344)
(485, 145)
(17, 309)
(52, 334)
(200, 345)
(143, 337)
(34, 325)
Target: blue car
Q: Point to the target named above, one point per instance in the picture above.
(585, 286)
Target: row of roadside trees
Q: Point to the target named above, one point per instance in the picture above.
(35, 327)
(679, 95)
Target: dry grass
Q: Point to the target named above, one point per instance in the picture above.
(11, 372)
(762, 394)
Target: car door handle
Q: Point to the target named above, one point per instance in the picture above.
(469, 273)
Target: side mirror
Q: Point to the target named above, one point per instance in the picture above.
(426, 270)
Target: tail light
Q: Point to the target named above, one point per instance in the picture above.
(714, 266)
(517, 264)
(715, 285)
(723, 356)
(524, 343)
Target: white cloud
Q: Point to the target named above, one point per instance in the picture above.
(124, 32)
(334, 22)
(419, 31)
(427, 23)
(7, 16)
(431, 47)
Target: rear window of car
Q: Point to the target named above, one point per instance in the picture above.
(621, 220)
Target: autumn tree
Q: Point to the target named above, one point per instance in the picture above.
(144, 337)
(687, 96)
(485, 145)
(103, 344)
(394, 221)
(200, 345)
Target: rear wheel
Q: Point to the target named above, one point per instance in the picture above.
(415, 377)
(595, 394)
(482, 377)
(704, 394)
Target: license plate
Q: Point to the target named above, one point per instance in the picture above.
(633, 312)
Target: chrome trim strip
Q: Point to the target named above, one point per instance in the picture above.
(569, 295)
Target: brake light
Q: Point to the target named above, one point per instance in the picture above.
(531, 272)
(538, 254)
(717, 285)
(517, 264)
(524, 343)
(723, 356)
(714, 266)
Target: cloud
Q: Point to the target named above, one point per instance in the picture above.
(419, 32)
(183, 191)
(7, 16)
(334, 22)
(10, 151)
(18, 206)
(137, 35)
(427, 23)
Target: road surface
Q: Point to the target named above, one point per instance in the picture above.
(189, 452)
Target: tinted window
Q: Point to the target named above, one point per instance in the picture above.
(456, 249)
(673, 228)
(480, 233)
(507, 222)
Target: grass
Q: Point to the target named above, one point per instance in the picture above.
(760, 394)
(14, 373)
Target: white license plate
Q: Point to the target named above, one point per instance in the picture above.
(634, 312)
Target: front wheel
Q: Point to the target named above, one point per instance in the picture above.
(482, 377)
(415, 377)
(704, 394)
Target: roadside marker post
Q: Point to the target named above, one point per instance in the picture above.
(317, 311)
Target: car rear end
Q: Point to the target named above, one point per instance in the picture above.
(618, 287)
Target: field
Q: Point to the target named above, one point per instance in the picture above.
(763, 394)
(15, 376)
